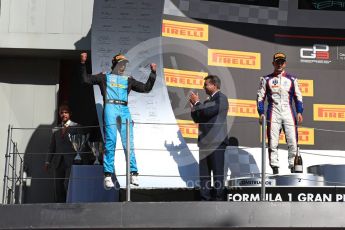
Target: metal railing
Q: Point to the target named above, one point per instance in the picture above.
(13, 180)
(13, 175)
(263, 160)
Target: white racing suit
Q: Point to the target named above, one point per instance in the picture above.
(280, 90)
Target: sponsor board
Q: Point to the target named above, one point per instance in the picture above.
(306, 136)
(184, 78)
(250, 182)
(188, 128)
(296, 197)
(306, 87)
(235, 59)
(185, 30)
(242, 108)
(287, 194)
(318, 53)
(329, 112)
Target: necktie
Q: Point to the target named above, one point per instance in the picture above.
(63, 130)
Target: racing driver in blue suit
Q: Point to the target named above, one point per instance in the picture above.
(115, 87)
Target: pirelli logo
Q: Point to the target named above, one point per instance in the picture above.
(188, 128)
(235, 59)
(242, 108)
(185, 30)
(306, 136)
(306, 87)
(327, 112)
(184, 78)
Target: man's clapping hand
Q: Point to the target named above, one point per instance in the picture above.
(194, 98)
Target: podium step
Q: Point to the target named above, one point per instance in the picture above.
(292, 179)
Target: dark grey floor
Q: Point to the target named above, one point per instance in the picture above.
(275, 215)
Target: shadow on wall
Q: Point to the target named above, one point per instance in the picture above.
(84, 43)
(187, 165)
(81, 96)
(30, 84)
(81, 100)
(179, 103)
(41, 187)
(238, 162)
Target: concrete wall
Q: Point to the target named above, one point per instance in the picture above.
(45, 24)
(34, 36)
(28, 97)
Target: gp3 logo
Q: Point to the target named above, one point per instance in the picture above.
(318, 51)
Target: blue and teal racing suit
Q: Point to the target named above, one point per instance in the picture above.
(115, 90)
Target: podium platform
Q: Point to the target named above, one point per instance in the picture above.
(293, 180)
(333, 174)
(86, 185)
(284, 187)
(293, 206)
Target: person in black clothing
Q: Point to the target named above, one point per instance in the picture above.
(61, 163)
(212, 140)
(115, 87)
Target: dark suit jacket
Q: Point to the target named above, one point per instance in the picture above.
(212, 116)
(61, 144)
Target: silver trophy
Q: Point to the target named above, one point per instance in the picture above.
(97, 150)
(78, 142)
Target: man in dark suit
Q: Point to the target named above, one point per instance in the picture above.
(61, 163)
(212, 141)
